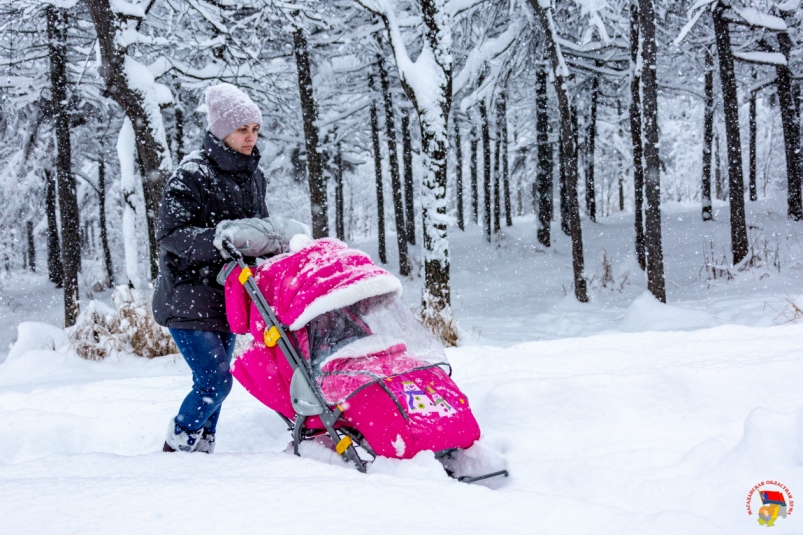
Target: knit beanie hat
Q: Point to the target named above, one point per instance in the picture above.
(228, 108)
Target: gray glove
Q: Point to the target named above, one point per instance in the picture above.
(258, 237)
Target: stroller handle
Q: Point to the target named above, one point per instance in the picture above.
(232, 250)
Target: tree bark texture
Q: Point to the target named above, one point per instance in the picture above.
(719, 186)
(791, 131)
(543, 181)
(621, 173)
(55, 270)
(179, 133)
(407, 155)
(495, 174)
(339, 223)
(752, 188)
(395, 179)
(591, 201)
(564, 193)
(652, 170)
(502, 129)
(31, 246)
(635, 135)
(475, 200)
(380, 194)
(104, 236)
(708, 135)
(68, 204)
(458, 147)
(564, 107)
(486, 170)
(149, 132)
(731, 105)
(309, 112)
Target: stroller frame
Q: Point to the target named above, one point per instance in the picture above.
(303, 389)
(306, 395)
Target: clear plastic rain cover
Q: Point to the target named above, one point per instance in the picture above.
(372, 339)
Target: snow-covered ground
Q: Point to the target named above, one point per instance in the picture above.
(619, 416)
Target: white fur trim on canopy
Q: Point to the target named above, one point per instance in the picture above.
(343, 297)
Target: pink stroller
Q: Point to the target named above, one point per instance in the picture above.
(336, 352)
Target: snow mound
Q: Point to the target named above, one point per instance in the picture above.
(770, 439)
(646, 313)
(423, 466)
(32, 335)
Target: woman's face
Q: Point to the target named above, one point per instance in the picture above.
(243, 139)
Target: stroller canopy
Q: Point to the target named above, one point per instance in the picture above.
(323, 276)
(347, 315)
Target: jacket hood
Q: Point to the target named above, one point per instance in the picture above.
(229, 160)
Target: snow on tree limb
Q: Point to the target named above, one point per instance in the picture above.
(753, 17)
(695, 13)
(490, 49)
(761, 58)
(127, 9)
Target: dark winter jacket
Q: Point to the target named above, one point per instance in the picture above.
(209, 186)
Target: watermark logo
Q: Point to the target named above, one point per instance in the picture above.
(774, 500)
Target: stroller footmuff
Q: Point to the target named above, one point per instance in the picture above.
(361, 367)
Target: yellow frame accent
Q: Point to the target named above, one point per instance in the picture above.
(343, 445)
(244, 274)
(272, 336)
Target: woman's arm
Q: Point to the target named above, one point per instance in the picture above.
(177, 230)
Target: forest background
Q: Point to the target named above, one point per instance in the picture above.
(398, 120)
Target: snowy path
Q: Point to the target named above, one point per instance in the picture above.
(616, 433)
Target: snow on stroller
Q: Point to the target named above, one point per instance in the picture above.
(336, 352)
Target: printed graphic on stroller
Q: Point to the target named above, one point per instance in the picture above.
(336, 352)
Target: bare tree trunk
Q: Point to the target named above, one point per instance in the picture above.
(458, 145)
(496, 174)
(104, 238)
(407, 155)
(731, 105)
(564, 195)
(543, 187)
(151, 142)
(752, 144)
(708, 135)
(591, 201)
(55, 269)
(31, 246)
(719, 187)
(621, 171)
(179, 133)
(559, 69)
(475, 201)
(635, 134)
(652, 171)
(395, 179)
(339, 226)
(486, 168)
(380, 193)
(502, 128)
(68, 204)
(791, 131)
(309, 112)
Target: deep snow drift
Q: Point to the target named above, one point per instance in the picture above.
(620, 416)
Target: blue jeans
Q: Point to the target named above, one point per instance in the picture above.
(208, 354)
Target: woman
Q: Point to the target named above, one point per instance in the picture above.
(215, 194)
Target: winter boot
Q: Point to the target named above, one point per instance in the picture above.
(206, 444)
(179, 439)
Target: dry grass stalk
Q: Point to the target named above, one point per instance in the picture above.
(130, 329)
